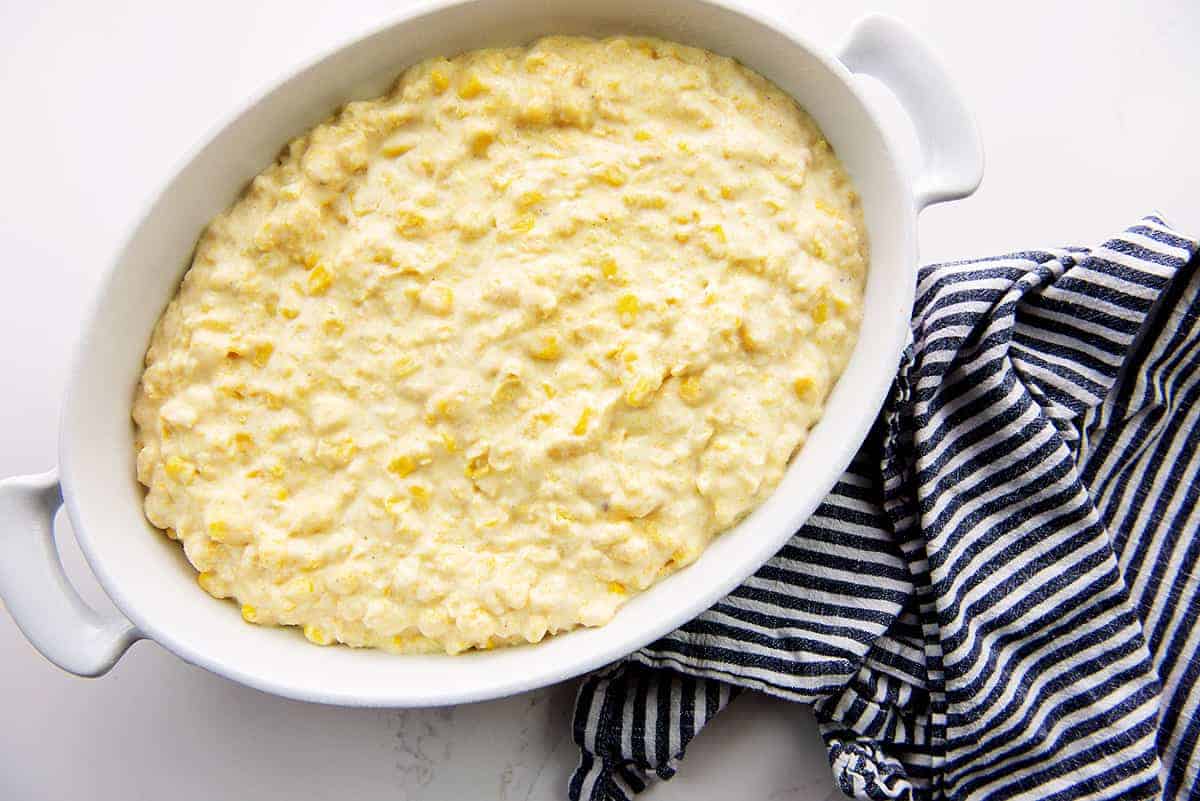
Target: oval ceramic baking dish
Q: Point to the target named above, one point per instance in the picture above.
(147, 576)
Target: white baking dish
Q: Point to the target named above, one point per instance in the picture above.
(147, 576)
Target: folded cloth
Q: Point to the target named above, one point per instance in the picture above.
(999, 598)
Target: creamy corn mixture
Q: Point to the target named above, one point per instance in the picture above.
(477, 361)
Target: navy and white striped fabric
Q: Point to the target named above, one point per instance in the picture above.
(999, 599)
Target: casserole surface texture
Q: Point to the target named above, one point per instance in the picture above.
(477, 361)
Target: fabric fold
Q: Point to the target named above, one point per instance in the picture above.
(1023, 508)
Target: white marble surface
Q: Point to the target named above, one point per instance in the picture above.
(1090, 118)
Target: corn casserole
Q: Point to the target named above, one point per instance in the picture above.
(477, 361)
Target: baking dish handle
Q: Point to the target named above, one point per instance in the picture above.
(952, 150)
(36, 591)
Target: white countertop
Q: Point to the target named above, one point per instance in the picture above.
(1089, 117)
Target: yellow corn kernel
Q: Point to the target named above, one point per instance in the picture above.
(535, 60)
(816, 247)
(479, 141)
(362, 204)
(581, 426)
(233, 390)
(684, 555)
(477, 466)
(264, 238)
(420, 496)
(289, 312)
(627, 308)
(749, 342)
(690, 389)
(641, 135)
(446, 407)
(535, 110)
(755, 264)
(427, 166)
(180, 469)
(608, 269)
(641, 200)
(409, 223)
(439, 81)
(333, 326)
(384, 255)
(404, 366)
(547, 350)
(803, 385)
(262, 354)
(530, 198)
(402, 465)
(218, 531)
(646, 48)
(825, 208)
(719, 231)
(549, 389)
(640, 392)
(249, 613)
(243, 441)
(208, 582)
(396, 147)
(539, 422)
(611, 175)
(726, 191)
(449, 442)
(319, 280)
(281, 494)
(616, 587)
(523, 224)
(821, 313)
(507, 389)
(471, 87)
(316, 635)
(276, 471)
(682, 237)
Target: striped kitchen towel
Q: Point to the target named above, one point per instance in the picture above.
(999, 598)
